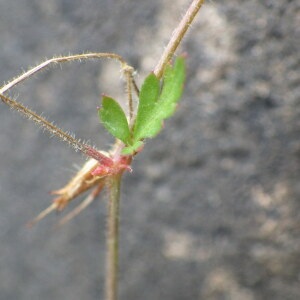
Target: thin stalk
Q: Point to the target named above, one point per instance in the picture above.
(56, 60)
(177, 36)
(76, 144)
(129, 80)
(112, 238)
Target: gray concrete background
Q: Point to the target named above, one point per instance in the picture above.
(212, 208)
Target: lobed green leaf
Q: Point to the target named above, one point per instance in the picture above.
(155, 105)
(148, 97)
(114, 119)
(172, 88)
(154, 109)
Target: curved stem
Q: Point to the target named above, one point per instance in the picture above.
(62, 59)
(112, 238)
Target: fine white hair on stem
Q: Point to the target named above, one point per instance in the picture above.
(55, 131)
(177, 36)
(70, 139)
(57, 60)
(126, 69)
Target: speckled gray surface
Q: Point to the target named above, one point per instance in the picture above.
(212, 209)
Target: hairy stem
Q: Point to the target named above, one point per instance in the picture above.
(129, 80)
(54, 130)
(177, 36)
(56, 60)
(112, 238)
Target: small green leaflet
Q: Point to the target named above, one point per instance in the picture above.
(155, 105)
(172, 88)
(114, 119)
(147, 104)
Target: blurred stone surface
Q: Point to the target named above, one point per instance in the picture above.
(212, 209)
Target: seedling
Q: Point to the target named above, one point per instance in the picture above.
(158, 97)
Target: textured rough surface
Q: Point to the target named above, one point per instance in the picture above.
(212, 209)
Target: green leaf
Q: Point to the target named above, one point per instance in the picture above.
(129, 150)
(153, 109)
(114, 119)
(148, 96)
(155, 105)
(172, 88)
